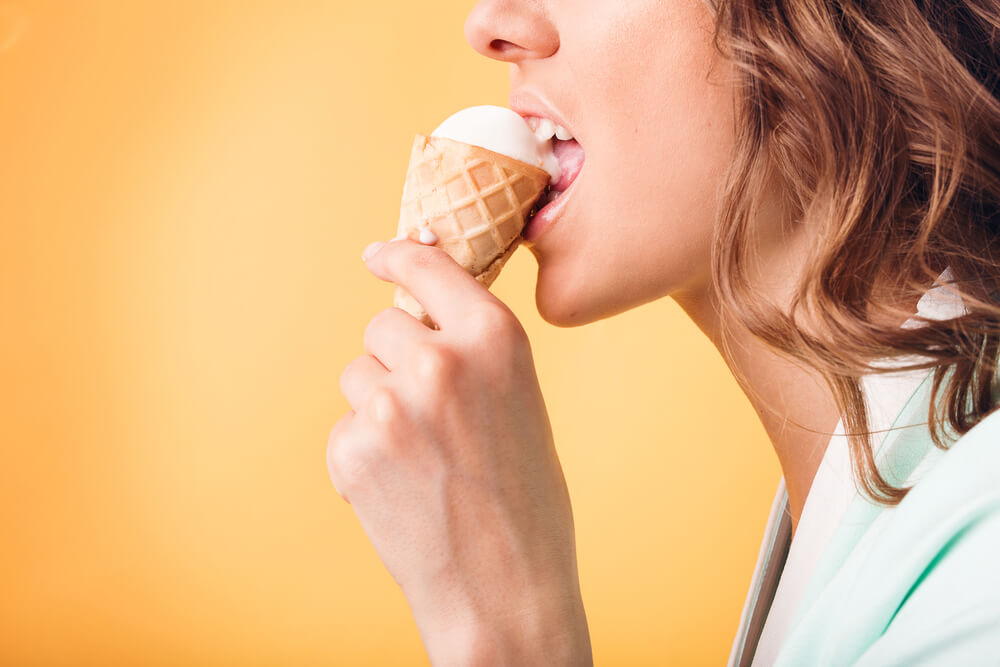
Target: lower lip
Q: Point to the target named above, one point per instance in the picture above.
(547, 215)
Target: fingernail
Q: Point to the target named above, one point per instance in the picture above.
(371, 250)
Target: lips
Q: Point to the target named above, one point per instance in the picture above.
(551, 206)
(548, 123)
(570, 156)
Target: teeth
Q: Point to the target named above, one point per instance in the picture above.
(546, 128)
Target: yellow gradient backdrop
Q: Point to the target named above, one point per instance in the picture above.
(185, 191)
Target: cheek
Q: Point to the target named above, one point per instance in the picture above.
(611, 254)
(640, 226)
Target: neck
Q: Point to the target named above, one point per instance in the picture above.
(794, 404)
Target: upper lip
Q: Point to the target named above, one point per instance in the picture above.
(525, 104)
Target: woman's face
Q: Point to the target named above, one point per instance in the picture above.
(641, 88)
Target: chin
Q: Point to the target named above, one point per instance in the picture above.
(575, 293)
(571, 302)
(559, 315)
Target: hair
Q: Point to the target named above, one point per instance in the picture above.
(881, 123)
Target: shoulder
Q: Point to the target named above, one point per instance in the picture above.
(916, 583)
(951, 613)
(947, 534)
(972, 465)
(956, 501)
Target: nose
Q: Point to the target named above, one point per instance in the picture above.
(511, 30)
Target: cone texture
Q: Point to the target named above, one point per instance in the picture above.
(474, 200)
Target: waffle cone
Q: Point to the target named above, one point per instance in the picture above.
(474, 200)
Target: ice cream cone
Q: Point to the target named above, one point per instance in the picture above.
(475, 202)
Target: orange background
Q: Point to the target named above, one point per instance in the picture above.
(185, 191)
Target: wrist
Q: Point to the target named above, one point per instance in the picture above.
(550, 633)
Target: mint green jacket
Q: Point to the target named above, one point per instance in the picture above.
(918, 584)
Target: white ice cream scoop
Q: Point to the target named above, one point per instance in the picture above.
(470, 189)
(502, 131)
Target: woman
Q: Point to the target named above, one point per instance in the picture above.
(796, 175)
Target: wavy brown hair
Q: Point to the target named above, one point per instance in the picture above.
(881, 120)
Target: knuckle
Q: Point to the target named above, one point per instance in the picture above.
(432, 363)
(379, 321)
(352, 462)
(348, 466)
(384, 406)
(337, 444)
(348, 373)
(336, 436)
(496, 323)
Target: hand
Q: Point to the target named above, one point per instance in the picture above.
(448, 461)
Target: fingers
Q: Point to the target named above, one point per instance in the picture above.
(434, 279)
(332, 452)
(359, 378)
(390, 336)
(389, 340)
